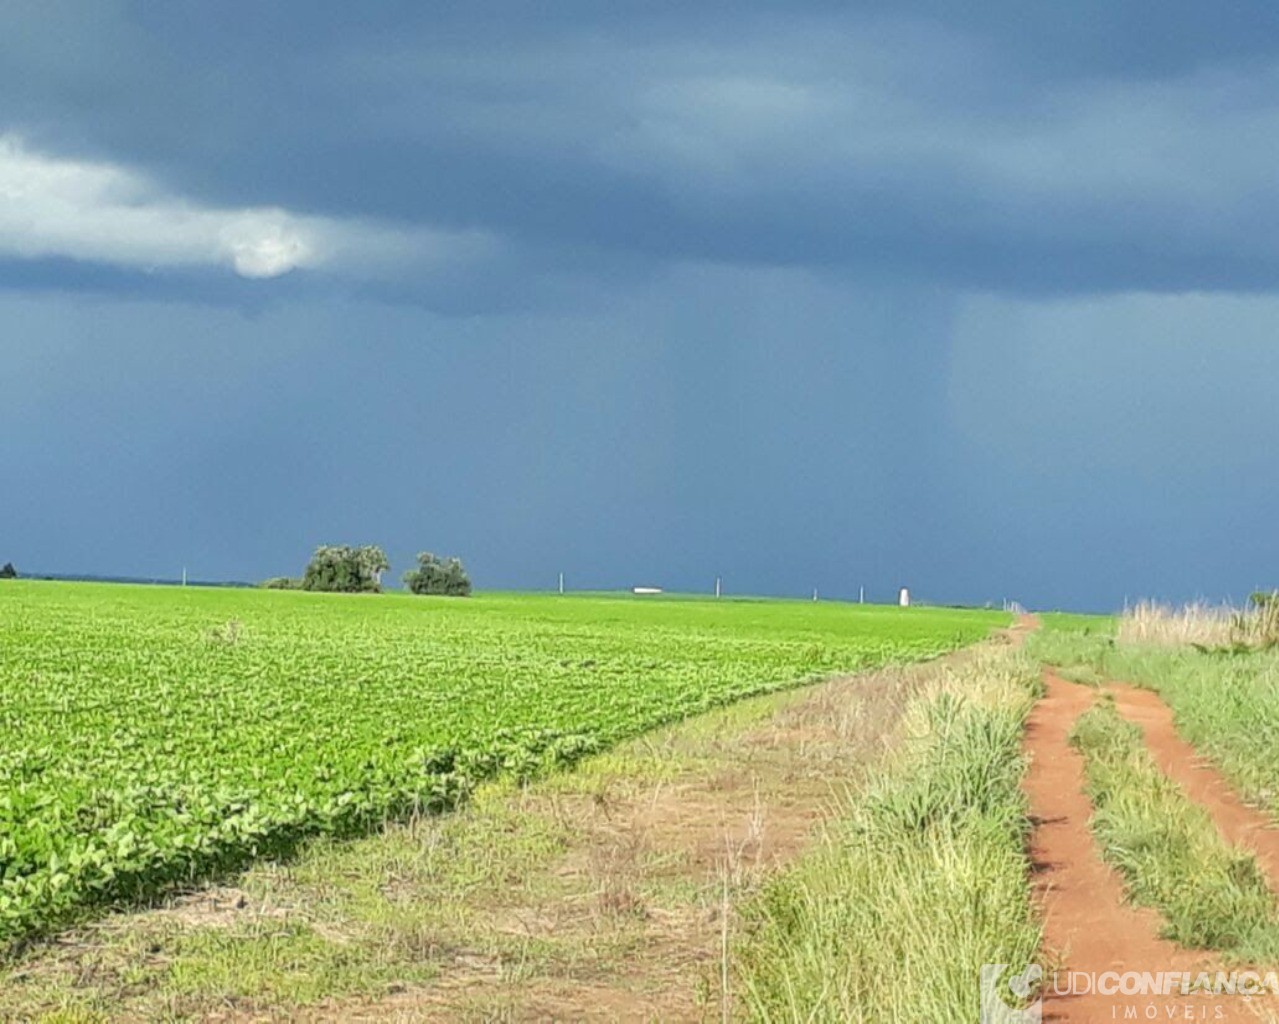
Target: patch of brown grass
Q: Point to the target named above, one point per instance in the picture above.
(1200, 624)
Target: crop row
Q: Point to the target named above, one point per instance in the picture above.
(152, 737)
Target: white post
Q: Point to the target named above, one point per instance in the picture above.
(184, 575)
(717, 583)
(561, 583)
(861, 595)
(814, 593)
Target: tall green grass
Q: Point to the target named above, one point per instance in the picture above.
(1212, 895)
(923, 879)
(1227, 705)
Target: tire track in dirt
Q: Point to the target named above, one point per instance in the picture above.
(1239, 823)
(1088, 926)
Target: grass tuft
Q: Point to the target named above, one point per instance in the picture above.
(923, 880)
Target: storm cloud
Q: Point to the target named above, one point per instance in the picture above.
(787, 293)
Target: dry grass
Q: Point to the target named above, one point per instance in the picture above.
(1166, 626)
(1202, 625)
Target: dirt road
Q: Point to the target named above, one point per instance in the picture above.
(1088, 926)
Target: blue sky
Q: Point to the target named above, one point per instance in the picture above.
(978, 299)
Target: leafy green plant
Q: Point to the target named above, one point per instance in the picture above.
(156, 736)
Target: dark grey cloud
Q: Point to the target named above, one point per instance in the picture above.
(1121, 439)
(1027, 148)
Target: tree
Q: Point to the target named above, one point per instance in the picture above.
(346, 569)
(373, 563)
(8, 572)
(435, 575)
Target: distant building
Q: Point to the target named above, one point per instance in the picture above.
(903, 598)
(646, 590)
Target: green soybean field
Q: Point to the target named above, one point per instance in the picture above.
(154, 736)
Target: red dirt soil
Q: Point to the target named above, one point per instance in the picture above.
(1087, 923)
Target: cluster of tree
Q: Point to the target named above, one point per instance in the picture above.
(8, 572)
(435, 575)
(358, 570)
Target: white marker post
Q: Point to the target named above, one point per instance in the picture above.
(717, 583)
(561, 583)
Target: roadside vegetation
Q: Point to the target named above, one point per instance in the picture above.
(1207, 628)
(1212, 895)
(920, 880)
